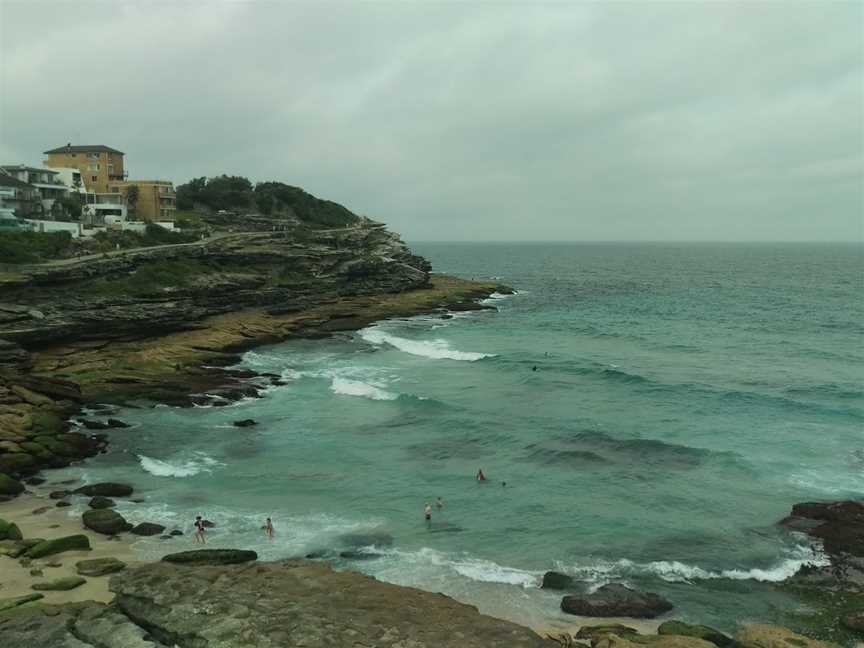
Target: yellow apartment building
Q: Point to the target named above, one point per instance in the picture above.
(156, 199)
(97, 163)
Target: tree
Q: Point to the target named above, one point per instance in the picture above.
(132, 199)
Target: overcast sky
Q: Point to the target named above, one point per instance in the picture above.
(468, 121)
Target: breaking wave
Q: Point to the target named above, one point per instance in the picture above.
(162, 468)
(358, 388)
(435, 349)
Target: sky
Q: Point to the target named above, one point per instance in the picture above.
(511, 121)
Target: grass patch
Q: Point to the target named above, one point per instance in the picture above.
(150, 280)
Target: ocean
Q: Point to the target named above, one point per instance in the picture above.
(654, 410)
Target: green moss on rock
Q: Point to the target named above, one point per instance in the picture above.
(68, 543)
(60, 584)
(9, 486)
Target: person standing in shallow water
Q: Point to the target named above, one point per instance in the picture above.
(268, 528)
(480, 475)
(199, 530)
(439, 504)
(427, 512)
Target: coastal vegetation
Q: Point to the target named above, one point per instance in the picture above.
(276, 199)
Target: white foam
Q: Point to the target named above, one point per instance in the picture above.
(359, 388)
(674, 571)
(435, 349)
(187, 468)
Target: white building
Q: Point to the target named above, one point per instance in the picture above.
(46, 183)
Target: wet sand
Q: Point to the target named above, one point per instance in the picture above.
(38, 517)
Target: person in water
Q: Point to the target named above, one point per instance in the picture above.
(439, 503)
(480, 475)
(427, 511)
(268, 528)
(199, 530)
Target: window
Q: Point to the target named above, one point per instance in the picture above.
(115, 189)
(110, 168)
(94, 178)
(93, 156)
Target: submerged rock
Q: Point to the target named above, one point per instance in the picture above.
(106, 489)
(211, 557)
(105, 521)
(615, 600)
(50, 547)
(557, 581)
(117, 423)
(100, 502)
(99, 566)
(245, 423)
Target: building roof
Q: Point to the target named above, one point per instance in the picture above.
(7, 180)
(24, 167)
(84, 148)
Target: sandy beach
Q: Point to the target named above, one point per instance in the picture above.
(38, 517)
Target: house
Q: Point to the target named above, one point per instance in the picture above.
(18, 197)
(46, 183)
(152, 201)
(98, 164)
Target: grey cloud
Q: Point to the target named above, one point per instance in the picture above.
(516, 121)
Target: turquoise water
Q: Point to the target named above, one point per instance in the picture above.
(684, 397)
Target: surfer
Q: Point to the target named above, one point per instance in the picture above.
(480, 475)
(199, 530)
(427, 512)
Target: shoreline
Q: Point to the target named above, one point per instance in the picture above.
(38, 517)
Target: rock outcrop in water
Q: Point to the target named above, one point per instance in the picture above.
(261, 605)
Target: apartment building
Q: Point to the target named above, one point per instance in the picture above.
(47, 184)
(156, 200)
(98, 164)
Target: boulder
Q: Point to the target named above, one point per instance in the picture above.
(18, 463)
(50, 547)
(616, 600)
(105, 521)
(639, 641)
(9, 531)
(840, 525)
(211, 557)
(106, 489)
(63, 503)
(100, 502)
(557, 581)
(9, 603)
(593, 633)
(699, 631)
(59, 494)
(36, 481)
(770, 636)
(176, 532)
(59, 584)
(245, 423)
(117, 423)
(9, 486)
(99, 566)
(147, 529)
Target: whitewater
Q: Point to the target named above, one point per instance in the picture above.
(654, 411)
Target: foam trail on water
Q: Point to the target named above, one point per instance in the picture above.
(359, 388)
(435, 349)
(187, 468)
